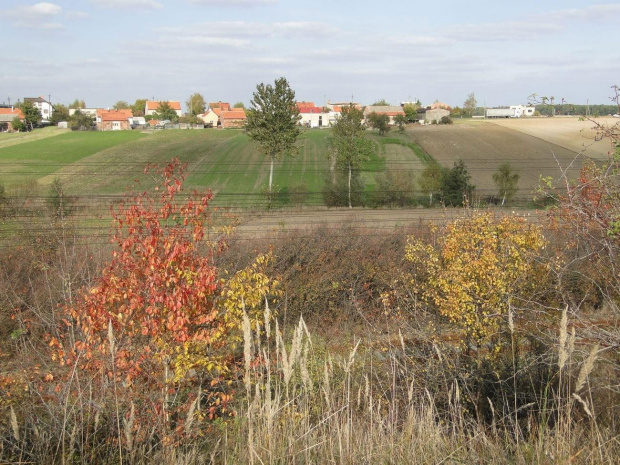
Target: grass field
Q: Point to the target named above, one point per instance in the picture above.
(106, 163)
(13, 138)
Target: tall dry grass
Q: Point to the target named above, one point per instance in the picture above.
(300, 403)
(304, 405)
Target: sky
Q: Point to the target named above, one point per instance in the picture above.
(103, 51)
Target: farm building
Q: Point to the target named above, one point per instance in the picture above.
(433, 115)
(391, 111)
(152, 106)
(7, 115)
(515, 111)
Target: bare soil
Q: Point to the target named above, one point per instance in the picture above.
(484, 146)
(567, 132)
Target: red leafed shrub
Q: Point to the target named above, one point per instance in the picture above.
(158, 328)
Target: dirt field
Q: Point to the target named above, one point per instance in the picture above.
(369, 222)
(567, 132)
(483, 146)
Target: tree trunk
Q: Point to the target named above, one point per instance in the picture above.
(270, 181)
(350, 205)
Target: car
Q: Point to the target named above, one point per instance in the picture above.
(616, 115)
(162, 124)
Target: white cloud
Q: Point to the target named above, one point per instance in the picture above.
(220, 29)
(128, 4)
(39, 15)
(41, 9)
(234, 3)
(592, 13)
(534, 26)
(502, 31)
(305, 28)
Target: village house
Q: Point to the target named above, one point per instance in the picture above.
(7, 115)
(114, 120)
(43, 105)
(224, 106)
(234, 118)
(152, 105)
(210, 118)
(312, 116)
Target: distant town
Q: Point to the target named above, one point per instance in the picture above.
(167, 114)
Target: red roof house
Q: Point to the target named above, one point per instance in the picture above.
(113, 120)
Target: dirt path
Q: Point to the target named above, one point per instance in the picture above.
(388, 221)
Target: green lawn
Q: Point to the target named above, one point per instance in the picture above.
(225, 161)
(13, 138)
(35, 160)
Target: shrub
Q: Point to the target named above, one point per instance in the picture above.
(394, 188)
(336, 191)
(446, 120)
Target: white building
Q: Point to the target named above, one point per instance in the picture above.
(43, 105)
(523, 110)
(312, 116)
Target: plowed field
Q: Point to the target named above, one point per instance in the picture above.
(484, 146)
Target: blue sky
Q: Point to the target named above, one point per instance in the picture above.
(102, 51)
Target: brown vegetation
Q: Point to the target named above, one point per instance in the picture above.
(364, 357)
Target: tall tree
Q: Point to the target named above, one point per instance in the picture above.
(379, 121)
(456, 186)
(350, 146)
(400, 121)
(165, 111)
(411, 112)
(469, 106)
(272, 122)
(381, 103)
(195, 104)
(32, 115)
(139, 107)
(80, 121)
(61, 113)
(121, 105)
(239, 105)
(506, 181)
(431, 180)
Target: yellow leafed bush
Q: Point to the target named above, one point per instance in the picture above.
(474, 270)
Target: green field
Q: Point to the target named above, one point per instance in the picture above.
(225, 161)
